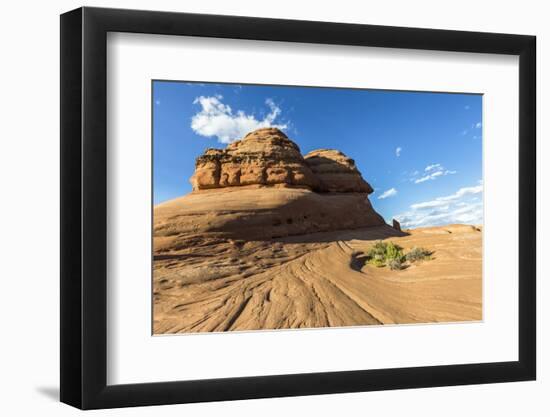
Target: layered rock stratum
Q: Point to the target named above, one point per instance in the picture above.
(263, 157)
(271, 239)
(268, 157)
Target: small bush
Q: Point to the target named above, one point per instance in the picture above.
(418, 254)
(391, 255)
(395, 264)
(376, 255)
(381, 253)
(378, 260)
(379, 248)
(394, 252)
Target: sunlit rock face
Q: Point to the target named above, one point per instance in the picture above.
(263, 157)
(268, 157)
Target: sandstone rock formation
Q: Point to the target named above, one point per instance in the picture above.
(261, 187)
(263, 157)
(260, 213)
(336, 172)
(321, 280)
(396, 225)
(268, 157)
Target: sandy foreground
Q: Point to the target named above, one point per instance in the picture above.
(214, 284)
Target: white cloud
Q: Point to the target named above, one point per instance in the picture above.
(432, 167)
(478, 125)
(421, 179)
(428, 177)
(432, 172)
(216, 119)
(398, 151)
(388, 193)
(453, 208)
(476, 189)
(429, 204)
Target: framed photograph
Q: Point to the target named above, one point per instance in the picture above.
(261, 208)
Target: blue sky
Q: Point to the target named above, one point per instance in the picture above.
(421, 152)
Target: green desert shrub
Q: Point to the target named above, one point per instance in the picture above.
(383, 252)
(395, 264)
(391, 255)
(394, 252)
(378, 260)
(418, 254)
(379, 248)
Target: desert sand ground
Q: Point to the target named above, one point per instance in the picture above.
(209, 283)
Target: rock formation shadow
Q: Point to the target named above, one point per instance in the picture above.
(358, 261)
(336, 172)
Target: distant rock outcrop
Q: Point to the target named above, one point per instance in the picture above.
(396, 225)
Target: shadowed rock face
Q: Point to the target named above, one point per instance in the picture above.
(336, 172)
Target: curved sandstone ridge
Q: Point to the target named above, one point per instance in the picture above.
(260, 213)
(313, 281)
(268, 157)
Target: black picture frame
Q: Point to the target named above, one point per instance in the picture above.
(84, 207)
